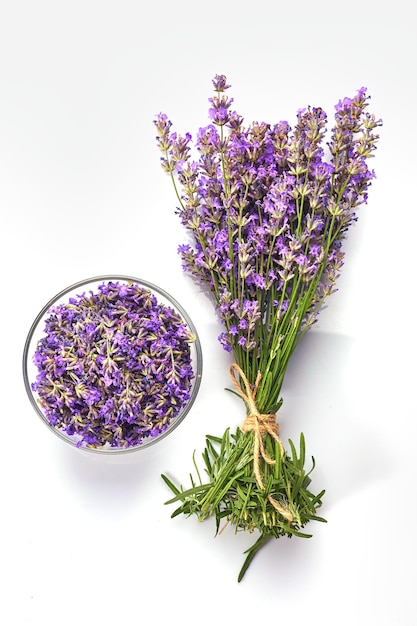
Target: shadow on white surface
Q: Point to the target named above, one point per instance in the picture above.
(332, 394)
(114, 486)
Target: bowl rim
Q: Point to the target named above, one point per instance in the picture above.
(198, 365)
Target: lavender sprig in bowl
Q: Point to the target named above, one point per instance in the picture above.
(112, 364)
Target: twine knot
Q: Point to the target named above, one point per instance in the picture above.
(260, 424)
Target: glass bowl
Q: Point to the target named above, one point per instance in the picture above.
(112, 364)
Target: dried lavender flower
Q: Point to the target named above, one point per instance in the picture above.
(114, 366)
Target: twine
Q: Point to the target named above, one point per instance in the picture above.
(260, 424)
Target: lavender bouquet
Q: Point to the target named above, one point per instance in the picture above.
(266, 209)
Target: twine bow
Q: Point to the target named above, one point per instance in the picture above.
(260, 424)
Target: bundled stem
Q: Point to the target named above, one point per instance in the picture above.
(232, 493)
(260, 425)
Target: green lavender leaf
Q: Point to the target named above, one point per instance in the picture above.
(234, 494)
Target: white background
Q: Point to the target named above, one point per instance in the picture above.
(86, 541)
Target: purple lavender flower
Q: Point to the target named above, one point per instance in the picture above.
(114, 366)
(267, 214)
